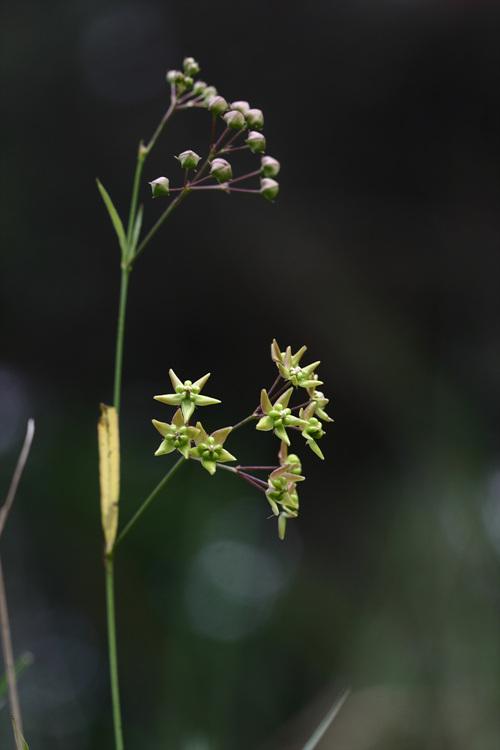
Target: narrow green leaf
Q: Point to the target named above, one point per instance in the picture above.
(24, 661)
(115, 218)
(136, 231)
(322, 727)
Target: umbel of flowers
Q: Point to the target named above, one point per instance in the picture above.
(275, 413)
(235, 126)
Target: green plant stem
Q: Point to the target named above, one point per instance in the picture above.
(245, 421)
(141, 158)
(161, 221)
(147, 502)
(142, 154)
(113, 660)
(120, 335)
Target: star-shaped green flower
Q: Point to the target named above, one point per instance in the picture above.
(187, 395)
(290, 460)
(177, 435)
(320, 401)
(289, 368)
(209, 450)
(277, 416)
(312, 430)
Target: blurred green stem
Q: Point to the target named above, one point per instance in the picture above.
(149, 500)
(120, 335)
(113, 660)
(130, 255)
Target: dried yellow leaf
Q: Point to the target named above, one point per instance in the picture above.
(109, 472)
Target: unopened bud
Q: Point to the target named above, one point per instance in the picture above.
(174, 76)
(199, 87)
(188, 159)
(190, 66)
(269, 167)
(188, 82)
(256, 142)
(221, 170)
(209, 92)
(218, 105)
(234, 120)
(241, 106)
(269, 188)
(255, 119)
(160, 187)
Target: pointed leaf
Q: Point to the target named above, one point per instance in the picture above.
(115, 218)
(109, 472)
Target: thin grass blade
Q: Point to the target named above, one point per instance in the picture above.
(324, 725)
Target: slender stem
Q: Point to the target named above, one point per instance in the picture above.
(256, 468)
(120, 334)
(274, 385)
(245, 421)
(245, 176)
(113, 660)
(166, 117)
(141, 158)
(147, 502)
(16, 477)
(161, 220)
(8, 654)
(253, 481)
(8, 657)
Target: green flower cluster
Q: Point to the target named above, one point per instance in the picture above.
(274, 414)
(191, 442)
(281, 491)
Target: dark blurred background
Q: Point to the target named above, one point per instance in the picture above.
(381, 254)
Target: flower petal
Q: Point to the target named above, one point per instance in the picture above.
(174, 379)
(264, 424)
(162, 427)
(315, 448)
(172, 399)
(205, 401)
(224, 456)
(188, 408)
(201, 381)
(165, 447)
(285, 397)
(280, 432)
(265, 402)
(210, 466)
(220, 435)
(178, 419)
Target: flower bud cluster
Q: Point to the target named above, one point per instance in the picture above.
(239, 119)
